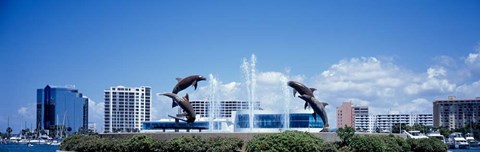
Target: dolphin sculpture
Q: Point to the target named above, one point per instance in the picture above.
(301, 89)
(184, 103)
(185, 83)
(318, 108)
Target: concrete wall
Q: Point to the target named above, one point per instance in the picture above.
(326, 136)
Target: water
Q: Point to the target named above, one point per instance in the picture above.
(286, 96)
(25, 148)
(465, 150)
(213, 111)
(253, 62)
(249, 73)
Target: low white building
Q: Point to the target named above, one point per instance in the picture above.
(275, 121)
(384, 122)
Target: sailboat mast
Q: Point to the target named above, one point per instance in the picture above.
(63, 125)
(56, 128)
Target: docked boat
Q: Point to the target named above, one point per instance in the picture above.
(414, 134)
(55, 143)
(15, 139)
(23, 141)
(18, 140)
(471, 140)
(438, 136)
(455, 140)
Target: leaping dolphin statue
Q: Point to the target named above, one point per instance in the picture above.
(301, 89)
(185, 83)
(318, 108)
(184, 103)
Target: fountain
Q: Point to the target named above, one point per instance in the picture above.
(213, 107)
(250, 82)
(274, 111)
(287, 98)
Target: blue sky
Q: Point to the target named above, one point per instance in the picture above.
(423, 49)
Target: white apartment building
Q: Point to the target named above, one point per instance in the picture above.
(360, 117)
(126, 108)
(385, 122)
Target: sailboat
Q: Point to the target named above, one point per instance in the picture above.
(469, 136)
(59, 133)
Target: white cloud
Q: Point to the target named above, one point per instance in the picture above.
(472, 63)
(436, 72)
(270, 78)
(161, 107)
(361, 78)
(382, 85)
(27, 112)
(22, 111)
(419, 105)
(472, 58)
(445, 61)
(469, 90)
(435, 82)
(96, 113)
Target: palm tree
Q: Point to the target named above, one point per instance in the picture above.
(36, 133)
(23, 132)
(9, 131)
(52, 131)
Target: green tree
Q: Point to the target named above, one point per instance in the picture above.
(53, 130)
(396, 143)
(26, 132)
(444, 131)
(42, 132)
(422, 128)
(400, 127)
(427, 145)
(345, 134)
(9, 132)
(371, 143)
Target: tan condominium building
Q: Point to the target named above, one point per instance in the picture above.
(456, 113)
(350, 115)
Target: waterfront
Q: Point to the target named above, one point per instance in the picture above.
(465, 150)
(25, 148)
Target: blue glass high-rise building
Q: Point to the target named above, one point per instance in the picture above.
(61, 107)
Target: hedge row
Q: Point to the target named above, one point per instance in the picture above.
(379, 143)
(285, 141)
(141, 143)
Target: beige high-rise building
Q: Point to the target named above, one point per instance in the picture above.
(352, 116)
(345, 115)
(456, 113)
